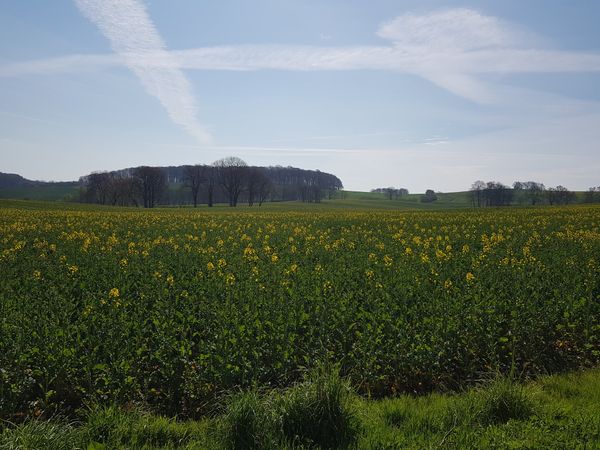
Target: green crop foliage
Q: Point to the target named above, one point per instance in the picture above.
(171, 309)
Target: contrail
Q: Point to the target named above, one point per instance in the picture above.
(450, 48)
(133, 36)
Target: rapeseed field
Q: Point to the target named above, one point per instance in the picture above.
(171, 308)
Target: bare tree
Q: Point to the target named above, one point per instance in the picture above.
(477, 193)
(211, 181)
(231, 175)
(497, 194)
(560, 195)
(592, 195)
(98, 185)
(125, 191)
(265, 187)
(153, 184)
(194, 177)
(531, 191)
(253, 178)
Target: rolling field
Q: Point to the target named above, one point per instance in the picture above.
(50, 192)
(173, 307)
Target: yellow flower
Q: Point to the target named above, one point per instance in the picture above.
(221, 263)
(210, 266)
(369, 274)
(230, 278)
(250, 253)
(387, 260)
(408, 251)
(37, 274)
(123, 262)
(114, 293)
(73, 269)
(470, 277)
(274, 258)
(170, 280)
(447, 284)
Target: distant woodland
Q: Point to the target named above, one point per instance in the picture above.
(493, 193)
(231, 181)
(228, 180)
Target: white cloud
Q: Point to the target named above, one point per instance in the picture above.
(450, 48)
(133, 36)
(453, 29)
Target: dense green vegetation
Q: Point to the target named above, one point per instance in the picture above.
(113, 319)
(554, 412)
(170, 308)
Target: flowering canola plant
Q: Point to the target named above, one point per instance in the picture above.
(171, 307)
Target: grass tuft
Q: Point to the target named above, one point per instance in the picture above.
(39, 434)
(247, 422)
(320, 412)
(503, 400)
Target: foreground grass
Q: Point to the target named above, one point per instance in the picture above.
(561, 411)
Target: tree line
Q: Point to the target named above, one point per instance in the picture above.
(391, 192)
(229, 180)
(493, 193)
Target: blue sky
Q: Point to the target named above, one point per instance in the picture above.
(416, 94)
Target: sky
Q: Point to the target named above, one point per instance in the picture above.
(419, 94)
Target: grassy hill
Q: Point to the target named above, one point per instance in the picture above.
(47, 192)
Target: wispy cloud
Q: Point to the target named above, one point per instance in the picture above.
(452, 29)
(450, 48)
(135, 40)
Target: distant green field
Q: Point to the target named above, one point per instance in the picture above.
(342, 200)
(345, 200)
(48, 192)
(354, 199)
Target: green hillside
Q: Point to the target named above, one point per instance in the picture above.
(48, 192)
